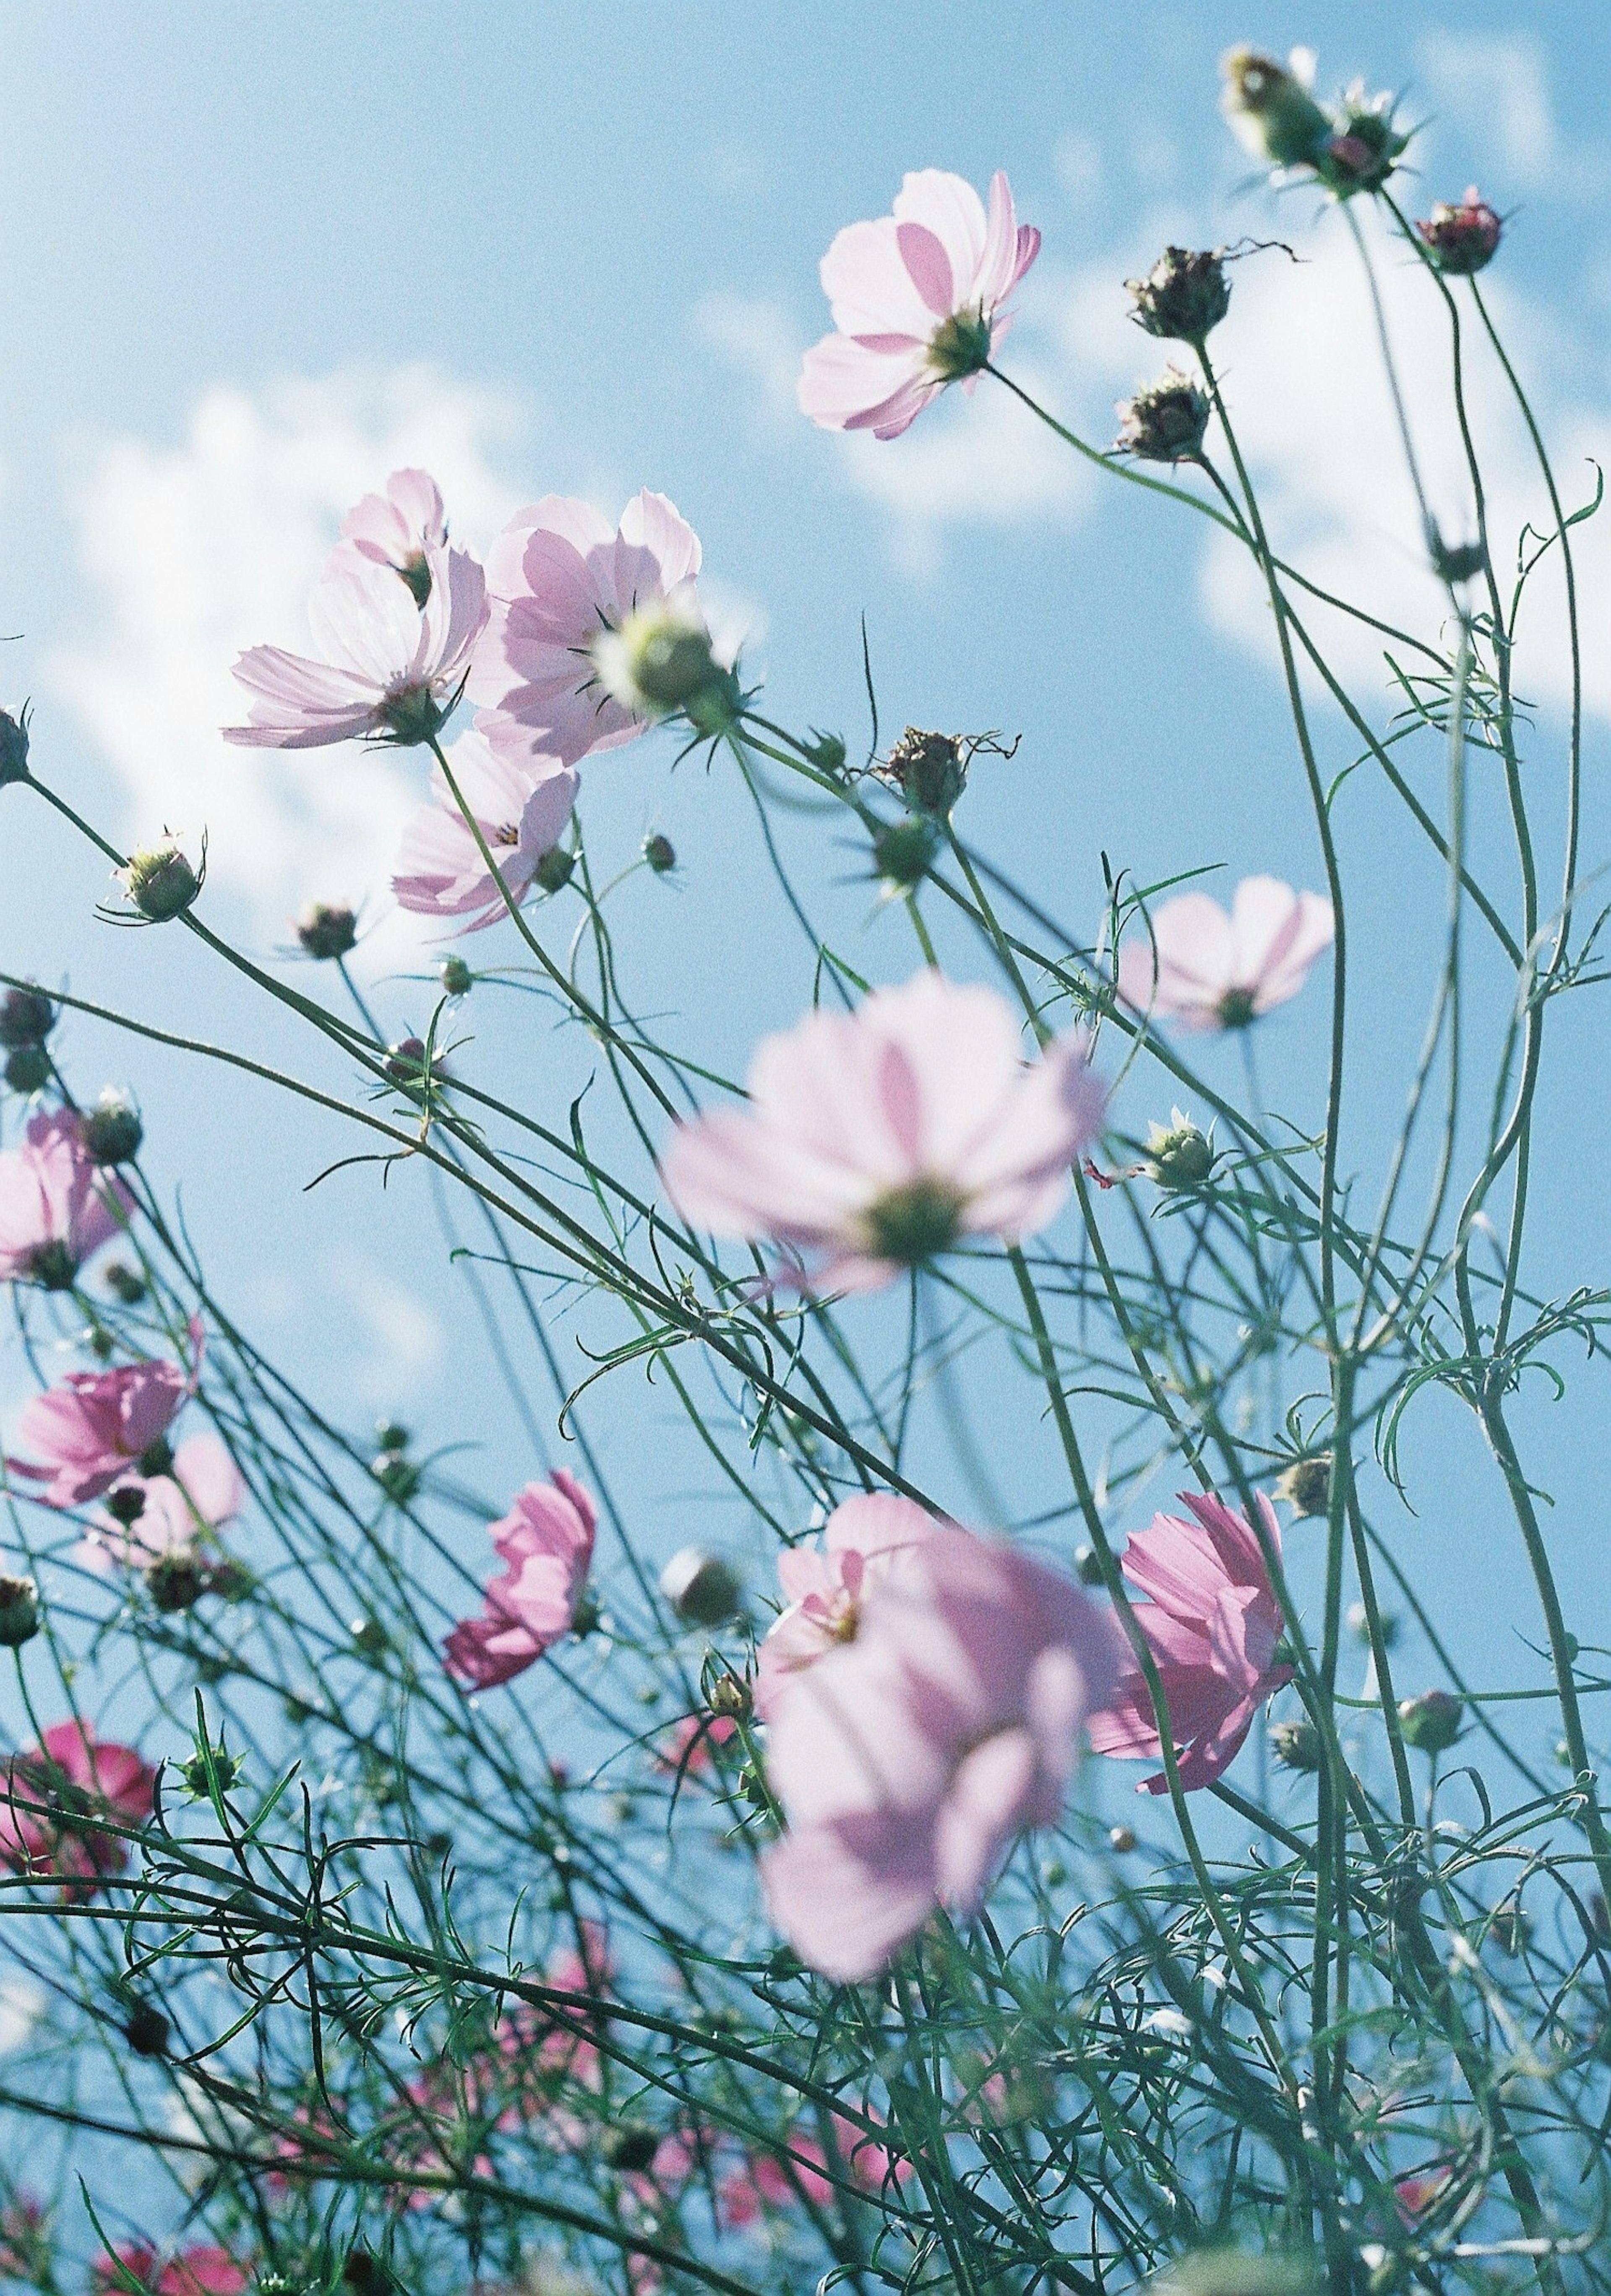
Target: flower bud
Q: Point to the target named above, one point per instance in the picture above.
(1088, 1567)
(731, 1694)
(157, 1458)
(369, 1638)
(177, 1580)
(113, 1130)
(702, 1589)
(1462, 237)
(396, 1474)
(1183, 297)
(1296, 1744)
(1270, 109)
(930, 771)
(826, 751)
(147, 2031)
(404, 1063)
(1359, 1624)
(554, 869)
(1180, 1156)
(14, 746)
(631, 2147)
(903, 851)
(327, 929)
(659, 659)
(1166, 422)
(456, 977)
(19, 1613)
(161, 883)
(28, 1069)
(1121, 1839)
(1433, 1720)
(126, 1283)
(27, 1017)
(1366, 147)
(1306, 1485)
(660, 854)
(126, 1504)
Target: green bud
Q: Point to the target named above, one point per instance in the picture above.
(702, 1589)
(1432, 1722)
(27, 1017)
(554, 869)
(631, 2147)
(1180, 1156)
(228, 1768)
(125, 1283)
(731, 1694)
(14, 746)
(1271, 111)
(456, 977)
(1121, 1840)
(177, 1580)
(1306, 1485)
(826, 751)
(1296, 1744)
(1088, 1567)
(161, 882)
(327, 929)
(369, 1638)
(28, 1069)
(19, 1613)
(903, 851)
(113, 1130)
(147, 2031)
(396, 1474)
(660, 854)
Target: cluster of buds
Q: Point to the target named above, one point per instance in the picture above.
(27, 1017)
(1183, 297)
(1462, 236)
(1351, 147)
(1166, 422)
(327, 929)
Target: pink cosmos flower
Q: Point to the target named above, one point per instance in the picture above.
(879, 1138)
(68, 1778)
(1212, 1625)
(1218, 972)
(439, 870)
(917, 302)
(400, 528)
(201, 2269)
(776, 2181)
(1418, 2195)
(863, 1540)
(396, 644)
(200, 1493)
(55, 1206)
(93, 1427)
(908, 1761)
(546, 1541)
(565, 586)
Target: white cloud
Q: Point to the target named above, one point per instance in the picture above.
(190, 552)
(22, 2003)
(1497, 85)
(391, 1343)
(760, 339)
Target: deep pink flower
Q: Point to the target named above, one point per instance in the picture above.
(546, 1541)
(864, 1539)
(917, 302)
(564, 585)
(394, 640)
(879, 1138)
(200, 1493)
(55, 1206)
(202, 2269)
(909, 1760)
(400, 528)
(1212, 1624)
(1219, 971)
(93, 1427)
(74, 1777)
(439, 870)
(687, 1746)
(1417, 2195)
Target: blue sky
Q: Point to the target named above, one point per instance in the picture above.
(251, 259)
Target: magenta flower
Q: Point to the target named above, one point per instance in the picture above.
(70, 1777)
(439, 870)
(1218, 972)
(199, 2270)
(55, 1206)
(879, 1138)
(199, 1494)
(917, 302)
(566, 589)
(93, 1427)
(1214, 1626)
(863, 1540)
(396, 642)
(546, 1541)
(909, 1761)
(400, 528)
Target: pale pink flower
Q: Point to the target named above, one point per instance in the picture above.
(781, 2180)
(1218, 972)
(439, 870)
(917, 302)
(862, 1540)
(55, 1206)
(70, 1777)
(546, 1541)
(565, 584)
(879, 1139)
(1212, 1625)
(93, 1427)
(908, 1761)
(197, 1494)
(400, 528)
(395, 646)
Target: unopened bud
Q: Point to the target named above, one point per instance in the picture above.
(113, 1130)
(28, 1069)
(1088, 1567)
(554, 869)
(1184, 296)
(176, 1581)
(1271, 111)
(327, 929)
(126, 1283)
(660, 854)
(157, 1458)
(147, 2031)
(1462, 237)
(1180, 1155)
(19, 1613)
(1122, 1839)
(1432, 1722)
(1359, 1624)
(903, 851)
(14, 746)
(930, 771)
(1306, 1485)
(126, 1504)
(631, 2147)
(456, 977)
(404, 1063)
(396, 1474)
(229, 1580)
(702, 1589)
(161, 882)
(826, 751)
(1166, 422)
(731, 1694)
(369, 1638)
(27, 1017)
(1296, 1744)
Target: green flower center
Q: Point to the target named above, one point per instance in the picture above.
(960, 345)
(1236, 1008)
(53, 1265)
(416, 573)
(410, 715)
(912, 1224)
